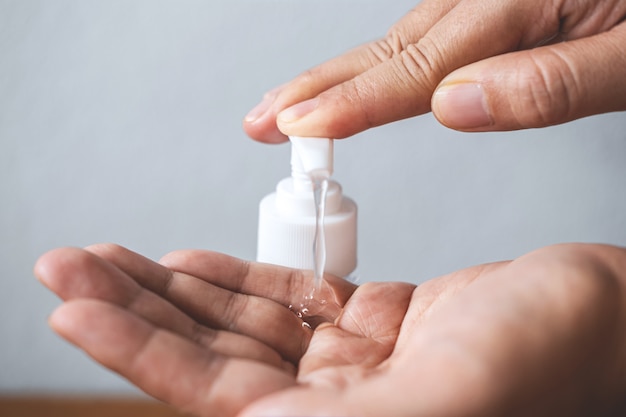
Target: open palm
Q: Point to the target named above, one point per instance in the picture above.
(214, 335)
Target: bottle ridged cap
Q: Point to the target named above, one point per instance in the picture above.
(287, 230)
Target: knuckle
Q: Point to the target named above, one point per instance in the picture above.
(421, 66)
(379, 51)
(548, 87)
(384, 49)
(234, 309)
(396, 40)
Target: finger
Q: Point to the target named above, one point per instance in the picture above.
(284, 285)
(213, 306)
(260, 122)
(164, 365)
(402, 86)
(541, 87)
(73, 273)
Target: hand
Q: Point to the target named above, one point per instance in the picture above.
(480, 65)
(544, 335)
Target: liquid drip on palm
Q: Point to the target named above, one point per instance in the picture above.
(314, 309)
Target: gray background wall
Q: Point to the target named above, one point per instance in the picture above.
(121, 121)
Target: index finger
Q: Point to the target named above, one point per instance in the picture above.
(260, 123)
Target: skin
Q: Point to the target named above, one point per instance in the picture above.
(479, 65)
(543, 335)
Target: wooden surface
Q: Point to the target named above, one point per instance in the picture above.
(25, 406)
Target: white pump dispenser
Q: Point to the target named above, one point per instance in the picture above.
(287, 216)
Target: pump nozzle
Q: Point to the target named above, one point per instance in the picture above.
(311, 156)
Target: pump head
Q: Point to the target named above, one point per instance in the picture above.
(310, 157)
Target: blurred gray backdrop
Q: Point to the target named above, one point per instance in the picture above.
(120, 121)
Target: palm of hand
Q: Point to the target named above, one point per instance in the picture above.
(213, 335)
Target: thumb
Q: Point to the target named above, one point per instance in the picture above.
(538, 87)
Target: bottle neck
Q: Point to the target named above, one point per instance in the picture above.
(294, 201)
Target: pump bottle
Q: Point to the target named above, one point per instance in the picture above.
(287, 216)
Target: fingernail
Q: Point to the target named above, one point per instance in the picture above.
(461, 106)
(298, 111)
(260, 109)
